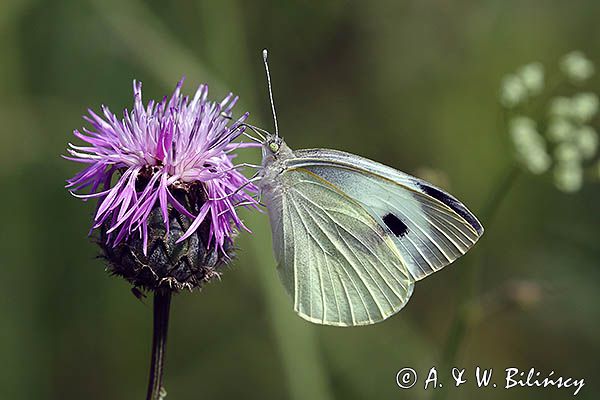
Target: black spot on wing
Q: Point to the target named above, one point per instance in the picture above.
(454, 204)
(398, 227)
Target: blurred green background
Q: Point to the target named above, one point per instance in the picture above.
(412, 84)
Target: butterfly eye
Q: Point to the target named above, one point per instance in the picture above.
(274, 146)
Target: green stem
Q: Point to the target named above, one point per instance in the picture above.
(464, 318)
(162, 305)
(498, 194)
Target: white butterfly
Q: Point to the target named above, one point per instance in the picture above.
(351, 236)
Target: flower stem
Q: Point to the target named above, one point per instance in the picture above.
(162, 305)
(498, 193)
(465, 314)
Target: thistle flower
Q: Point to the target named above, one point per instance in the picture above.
(166, 186)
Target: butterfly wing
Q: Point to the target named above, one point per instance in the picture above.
(429, 227)
(334, 258)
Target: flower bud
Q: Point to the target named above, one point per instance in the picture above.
(512, 91)
(568, 176)
(525, 294)
(537, 161)
(586, 139)
(560, 129)
(577, 67)
(567, 152)
(532, 77)
(584, 106)
(523, 132)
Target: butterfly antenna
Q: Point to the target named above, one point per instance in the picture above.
(265, 55)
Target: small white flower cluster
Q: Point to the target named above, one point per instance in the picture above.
(575, 141)
(568, 131)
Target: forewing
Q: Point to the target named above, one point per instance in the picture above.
(430, 227)
(337, 262)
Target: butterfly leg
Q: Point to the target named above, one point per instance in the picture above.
(255, 178)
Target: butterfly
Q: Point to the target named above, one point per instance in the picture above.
(351, 236)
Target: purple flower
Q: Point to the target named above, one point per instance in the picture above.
(141, 161)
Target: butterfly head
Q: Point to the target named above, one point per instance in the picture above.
(274, 145)
(274, 149)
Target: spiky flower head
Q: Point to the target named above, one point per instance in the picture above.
(166, 186)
